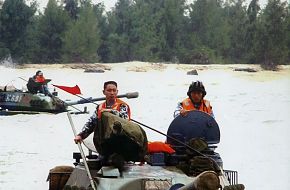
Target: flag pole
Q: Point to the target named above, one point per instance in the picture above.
(82, 153)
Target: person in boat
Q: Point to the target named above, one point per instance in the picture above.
(38, 83)
(195, 101)
(111, 104)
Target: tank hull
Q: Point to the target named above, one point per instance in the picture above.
(181, 170)
(27, 102)
(136, 177)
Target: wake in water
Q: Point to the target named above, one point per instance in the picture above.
(8, 62)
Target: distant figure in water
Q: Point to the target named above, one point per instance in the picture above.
(38, 83)
(195, 101)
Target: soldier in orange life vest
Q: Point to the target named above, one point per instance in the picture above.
(195, 101)
(112, 104)
(37, 83)
(39, 77)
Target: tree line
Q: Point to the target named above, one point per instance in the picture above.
(205, 31)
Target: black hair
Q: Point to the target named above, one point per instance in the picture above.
(37, 72)
(110, 82)
(196, 86)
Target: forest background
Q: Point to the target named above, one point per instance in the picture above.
(201, 32)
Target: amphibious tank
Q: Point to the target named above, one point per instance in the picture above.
(193, 165)
(14, 101)
(24, 101)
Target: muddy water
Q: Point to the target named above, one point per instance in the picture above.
(253, 111)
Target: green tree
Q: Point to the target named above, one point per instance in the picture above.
(145, 40)
(288, 33)
(146, 30)
(272, 44)
(237, 22)
(52, 26)
(103, 51)
(32, 42)
(172, 20)
(71, 6)
(120, 21)
(82, 39)
(209, 27)
(15, 16)
(253, 10)
(251, 30)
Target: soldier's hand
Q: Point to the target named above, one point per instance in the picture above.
(78, 139)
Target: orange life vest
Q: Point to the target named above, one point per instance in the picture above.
(204, 107)
(39, 78)
(157, 146)
(115, 106)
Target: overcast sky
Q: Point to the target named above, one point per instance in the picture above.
(111, 3)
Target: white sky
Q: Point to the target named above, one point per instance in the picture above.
(111, 3)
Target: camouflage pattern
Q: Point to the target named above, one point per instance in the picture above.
(25, 101)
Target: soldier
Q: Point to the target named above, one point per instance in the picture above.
(38, 83)
(195, 101)
(112, 104)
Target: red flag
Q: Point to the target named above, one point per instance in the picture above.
(72, 90)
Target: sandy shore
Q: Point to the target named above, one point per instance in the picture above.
(136, 66)
(145, 65)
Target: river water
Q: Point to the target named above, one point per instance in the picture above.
(252, 109)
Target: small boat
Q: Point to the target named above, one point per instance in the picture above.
(194, 165)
